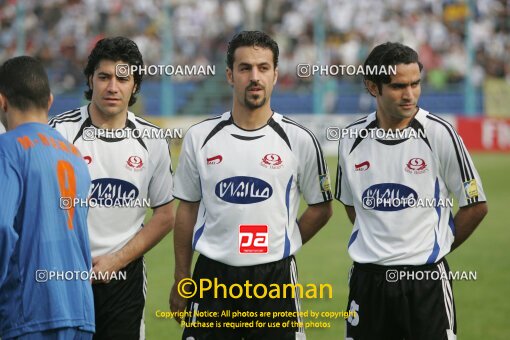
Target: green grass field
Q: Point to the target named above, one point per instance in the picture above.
(482, 305)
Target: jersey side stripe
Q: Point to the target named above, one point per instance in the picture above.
(464, 163)
(338, 189)
(320, 158)
(467, 165)
(459, 158)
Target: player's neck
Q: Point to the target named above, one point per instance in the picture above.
(17, 118)
(103, 121)
(386, 122)
(249, 119)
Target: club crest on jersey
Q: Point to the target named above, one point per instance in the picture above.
(243, 190)
(214, 160)
(388, 197)
(362, 166)
(134, 163)
(272, 161)
(112, 192)
(416, 166)
(253, 239)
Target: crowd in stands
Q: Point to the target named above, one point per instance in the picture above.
(62, 32)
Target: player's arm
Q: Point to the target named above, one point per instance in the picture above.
(313, 219)
(463, 181)
(351, 213)
(188, 190)
(314, 184)
(159, 225)
(183, 233)
(10, 182)
(466, 220)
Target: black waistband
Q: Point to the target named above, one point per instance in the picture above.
(379, 268)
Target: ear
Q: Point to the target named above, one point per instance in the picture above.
(4, 104)
(50, 101)
(230, 76)
(134, 89)
(275, 75)
(90, 82)
(372, 88)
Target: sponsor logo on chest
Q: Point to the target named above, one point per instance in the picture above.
(388, 197)
(243, 190)
(114, 190)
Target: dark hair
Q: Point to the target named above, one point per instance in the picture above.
(24, 82)
(251, 38)
(114, 49)
(388, 54)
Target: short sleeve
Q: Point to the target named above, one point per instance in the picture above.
(187, 179)
(161, 184)
(313, 175)
(459, 172)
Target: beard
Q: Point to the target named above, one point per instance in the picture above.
(254, 103)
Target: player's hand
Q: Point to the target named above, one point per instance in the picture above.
(177, 302)
(106, 265)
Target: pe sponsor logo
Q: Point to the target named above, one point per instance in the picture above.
(272, 161)
(112, 191)
(253, 239)
(243, 190)
(416, 166)
(388, 197)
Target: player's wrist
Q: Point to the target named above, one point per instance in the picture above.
(179, 275)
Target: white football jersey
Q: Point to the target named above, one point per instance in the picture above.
(400, 190)
(128, 175)
(249, 184)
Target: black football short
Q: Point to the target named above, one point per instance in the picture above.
(248, 310)
(119, 305)
(401, 302)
